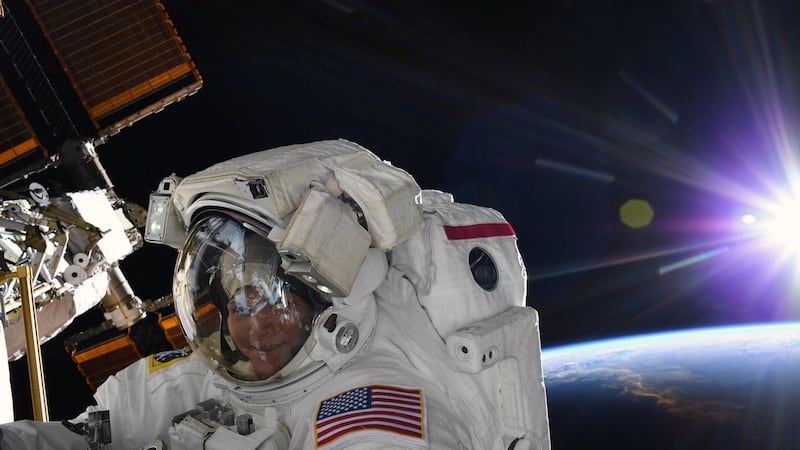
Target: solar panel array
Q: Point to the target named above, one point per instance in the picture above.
(16, 135)
(122, 59)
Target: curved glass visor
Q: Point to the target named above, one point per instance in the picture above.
(236, 306)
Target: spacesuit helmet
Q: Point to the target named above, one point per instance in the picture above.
(247, 317)
(279, 253)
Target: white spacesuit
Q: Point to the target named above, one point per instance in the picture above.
(331, 303)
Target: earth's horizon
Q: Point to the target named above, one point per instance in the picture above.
(725, 387)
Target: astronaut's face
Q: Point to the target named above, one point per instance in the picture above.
(268, 335)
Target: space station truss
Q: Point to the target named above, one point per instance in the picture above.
(124, 58)
(73, 73)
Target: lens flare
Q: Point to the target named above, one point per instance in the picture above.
(748, 219)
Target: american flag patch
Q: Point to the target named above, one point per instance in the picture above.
(371, 411)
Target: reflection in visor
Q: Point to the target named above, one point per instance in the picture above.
(254, 265)
(264, 315)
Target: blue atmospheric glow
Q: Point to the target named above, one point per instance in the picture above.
(675, 338)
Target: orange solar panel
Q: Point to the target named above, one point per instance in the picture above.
(103, 360)
(208, 320)
(172, 331)
(16, 135)
(116, 52)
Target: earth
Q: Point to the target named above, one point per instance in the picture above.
(711, 388)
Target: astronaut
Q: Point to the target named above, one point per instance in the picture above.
(329, 302)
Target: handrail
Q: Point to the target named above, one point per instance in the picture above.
(34, 354)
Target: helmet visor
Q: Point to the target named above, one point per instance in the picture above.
(236, 305)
